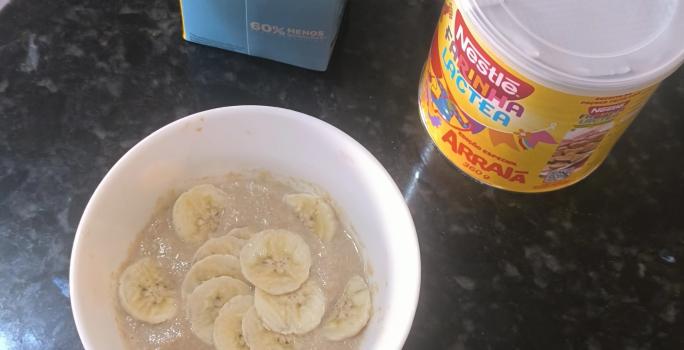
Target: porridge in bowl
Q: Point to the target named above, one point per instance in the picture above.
(244, 262)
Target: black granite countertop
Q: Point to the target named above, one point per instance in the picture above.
(599, 265)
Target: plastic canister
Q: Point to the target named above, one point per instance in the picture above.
(531, 95)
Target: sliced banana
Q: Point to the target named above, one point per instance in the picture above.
(316, 214)
(207, 299)
(351, 312)
(244, 233)
(277, 261)
(223, 245)
(259, 338)
(145, 294)
(197, 212)
(228, 324)
(298, 312)
(208, 268)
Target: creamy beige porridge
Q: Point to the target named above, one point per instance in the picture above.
(244, 262)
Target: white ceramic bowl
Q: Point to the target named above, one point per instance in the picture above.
(238, 138)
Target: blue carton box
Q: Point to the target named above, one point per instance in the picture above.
(297, 32)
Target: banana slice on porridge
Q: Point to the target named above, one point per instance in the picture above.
(205, 302)
(197, 212)
(276, 261)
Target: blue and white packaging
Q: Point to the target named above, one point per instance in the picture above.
(297, 32)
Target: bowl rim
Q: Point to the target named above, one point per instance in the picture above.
(413, 294)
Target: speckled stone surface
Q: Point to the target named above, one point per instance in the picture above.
(599, 265)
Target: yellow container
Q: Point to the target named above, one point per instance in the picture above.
(531, 96)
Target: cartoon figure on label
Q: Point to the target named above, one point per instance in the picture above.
(427, 92)
(444, 105)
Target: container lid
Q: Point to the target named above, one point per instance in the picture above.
(590, 46)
